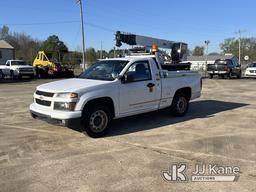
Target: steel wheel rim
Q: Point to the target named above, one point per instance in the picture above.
(182, 105)
(98, 121)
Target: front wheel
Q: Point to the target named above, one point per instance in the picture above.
(239, 75)
(180, 105)
(13, 77)
(1, 75)
(96, 120)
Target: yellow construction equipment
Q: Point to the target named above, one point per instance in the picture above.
(47, 68)
(42, 60)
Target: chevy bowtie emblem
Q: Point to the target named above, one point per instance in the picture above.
(41, 97)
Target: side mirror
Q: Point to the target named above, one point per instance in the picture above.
(115, 75)
(165, 74)
(127, 78)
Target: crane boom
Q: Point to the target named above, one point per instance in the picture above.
(145, 41)
(178, 49)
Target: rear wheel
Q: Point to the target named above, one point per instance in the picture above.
(180, 105)
(1, 75)
(210, 76)
(96, 120)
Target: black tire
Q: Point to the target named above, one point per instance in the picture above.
(33, 115)
(12, 76)
(1, 75)
(229, 75)
(210, 76)
(180, 105)
(239, 76)
(96, 120)
(31, 76)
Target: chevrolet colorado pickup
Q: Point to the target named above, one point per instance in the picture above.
(116, 88)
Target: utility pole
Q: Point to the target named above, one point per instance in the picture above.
(101, 49)
(82, 29)
(239, 40)
(114, 52)
(206, 57)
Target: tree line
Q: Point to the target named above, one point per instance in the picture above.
(26, 48)
(231, 45)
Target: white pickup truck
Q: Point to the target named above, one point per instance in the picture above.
(16, 69)
(115, 88)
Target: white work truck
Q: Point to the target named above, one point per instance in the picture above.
(116, 88)
(16, 69)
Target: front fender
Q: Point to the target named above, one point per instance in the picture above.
(96, 94)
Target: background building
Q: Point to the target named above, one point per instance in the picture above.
(6, 52)
(198, 62)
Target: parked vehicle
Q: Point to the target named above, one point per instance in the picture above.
(16, 69)
(115, 88)
(250, 70)
(225, 68)
(46, 67)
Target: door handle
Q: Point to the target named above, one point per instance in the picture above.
(150, 85)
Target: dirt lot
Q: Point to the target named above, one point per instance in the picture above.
(220, 128)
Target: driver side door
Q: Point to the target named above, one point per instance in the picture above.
(139, 92)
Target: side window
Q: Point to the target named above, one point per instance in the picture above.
(139, 71)
(1, 56)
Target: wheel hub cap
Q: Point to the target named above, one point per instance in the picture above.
(98, 121)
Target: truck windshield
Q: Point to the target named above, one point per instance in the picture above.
(104, 70)
(252, 65)
(18, 63)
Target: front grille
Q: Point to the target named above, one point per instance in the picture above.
(43, 102)
(26, 70)
(46, 94)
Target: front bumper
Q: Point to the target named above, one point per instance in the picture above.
(54, 114)
(217, 72)
(248, 74)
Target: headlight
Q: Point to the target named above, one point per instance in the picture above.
(67, 95)
(65, 106)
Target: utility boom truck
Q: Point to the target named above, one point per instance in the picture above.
(116, 88)
(45, 67)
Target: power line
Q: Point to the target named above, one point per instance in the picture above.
(42, 23)
(60, 22)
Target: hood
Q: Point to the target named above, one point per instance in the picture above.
(71, 85)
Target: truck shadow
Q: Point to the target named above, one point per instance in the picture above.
(198, 109)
